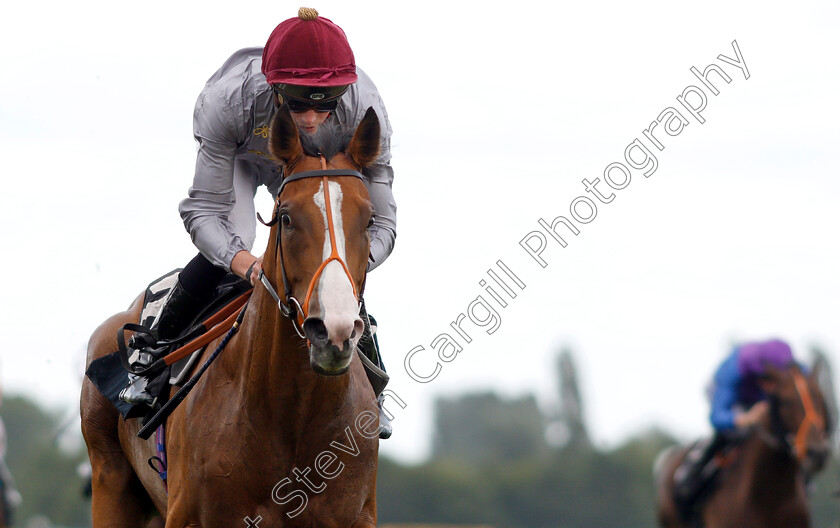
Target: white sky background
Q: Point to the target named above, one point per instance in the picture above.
(498, 114)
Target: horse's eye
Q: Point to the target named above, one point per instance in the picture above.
(286, 220)
(371, 221)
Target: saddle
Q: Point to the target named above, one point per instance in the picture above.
(108, 373)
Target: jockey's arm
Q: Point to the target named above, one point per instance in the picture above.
(211, 197)
(383, 233)
(243, 263)
(725, 395)
(380, 175)
(752, 416)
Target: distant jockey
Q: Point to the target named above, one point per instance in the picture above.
(739, 400)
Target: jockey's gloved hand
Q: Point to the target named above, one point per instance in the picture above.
(247, 266)
(753, 416)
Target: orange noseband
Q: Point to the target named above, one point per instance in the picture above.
(812, 419)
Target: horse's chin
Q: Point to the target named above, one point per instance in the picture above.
(814, 463)
(329, 372)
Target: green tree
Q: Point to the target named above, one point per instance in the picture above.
(44, 472)
(567, 426)
(481, 427)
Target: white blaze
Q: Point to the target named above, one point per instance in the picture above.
(334, 289)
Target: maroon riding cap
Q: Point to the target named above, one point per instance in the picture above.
(308, 50)
(752, 357)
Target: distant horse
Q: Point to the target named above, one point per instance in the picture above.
(764, 485)
(283, 426)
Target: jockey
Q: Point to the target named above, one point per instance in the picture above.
(307, 64)
(739, 402)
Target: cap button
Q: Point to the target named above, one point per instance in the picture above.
(307, 13)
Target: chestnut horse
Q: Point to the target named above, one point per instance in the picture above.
(283, 427)
(764, 486)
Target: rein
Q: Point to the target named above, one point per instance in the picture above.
(214, 326)
(797, 447)
(292, 308)
(812, 419)
(160, 416)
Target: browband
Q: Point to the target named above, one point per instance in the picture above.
(322, 172)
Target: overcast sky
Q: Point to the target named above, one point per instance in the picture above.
(498, 113)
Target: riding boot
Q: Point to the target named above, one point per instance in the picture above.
(375, 369)
(692, 476)
(179, 309)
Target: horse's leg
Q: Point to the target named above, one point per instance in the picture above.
(729, 504)
(664, 468)
(118, 498)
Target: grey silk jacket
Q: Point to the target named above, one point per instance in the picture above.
(230, 123)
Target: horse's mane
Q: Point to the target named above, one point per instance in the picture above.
(330, 139)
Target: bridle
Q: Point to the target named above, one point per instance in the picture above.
(811, 419)
(293, 309)
(235, 311)
(796, 444)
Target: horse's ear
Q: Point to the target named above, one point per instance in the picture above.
(821, 375)
(364, 147)
(284, 140)
(817, 368)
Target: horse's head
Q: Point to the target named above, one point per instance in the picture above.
(799, 415)
(319, 244)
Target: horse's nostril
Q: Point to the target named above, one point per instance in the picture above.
(819, 452)
(315, 330)
(358, 328)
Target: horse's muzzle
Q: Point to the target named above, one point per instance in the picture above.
(325, 357)
(815, 458)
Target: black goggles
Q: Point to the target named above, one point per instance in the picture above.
(299, 105)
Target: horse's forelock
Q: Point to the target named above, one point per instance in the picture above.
(329, 140)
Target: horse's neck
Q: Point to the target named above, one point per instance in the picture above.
(771, 472)
(269, 364)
